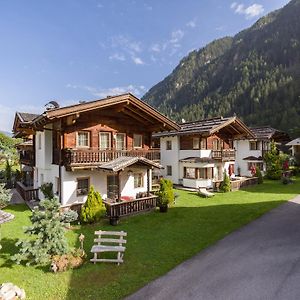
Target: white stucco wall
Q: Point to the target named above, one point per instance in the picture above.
(170, 158)
(99, 180)
(243, 150)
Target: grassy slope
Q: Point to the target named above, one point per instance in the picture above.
(156, 243)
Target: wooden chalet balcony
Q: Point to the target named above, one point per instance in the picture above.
(223, 155)
(72, 157)
(27, 157)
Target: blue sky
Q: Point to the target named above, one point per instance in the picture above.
(71, 50)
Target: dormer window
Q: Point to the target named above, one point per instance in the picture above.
(83, 139)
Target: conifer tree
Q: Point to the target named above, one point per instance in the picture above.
(225, 184)
(48, 234)
(93, 209)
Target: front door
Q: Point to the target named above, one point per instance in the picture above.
(112, 187)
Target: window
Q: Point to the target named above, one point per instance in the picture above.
(120, 141)
(190, 173)
(39, 141)
(260, 165)
(209, 173)
(137, 141)
(196, 143)
(203, 143)
(202, 173)
(57, 185)
(169, 170)
(82, 186)
(216, 144)
(83, 139)
(253, 145)
(168, 145)
(138, 180)
(104, 140)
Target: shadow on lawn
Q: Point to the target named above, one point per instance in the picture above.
(8, 249)
(156, 243)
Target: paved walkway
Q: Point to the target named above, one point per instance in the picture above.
(16, 198)
(259, 261)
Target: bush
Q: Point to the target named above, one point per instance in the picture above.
(259, 175)
(8, 174)
(93, 209)
(165, 194)
(5, 196)
(69, 216)
(225, 184)
(47, 190)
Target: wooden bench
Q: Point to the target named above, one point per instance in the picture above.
(106, 243)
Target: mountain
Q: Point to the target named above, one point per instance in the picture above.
(6, 133)
(255, 74)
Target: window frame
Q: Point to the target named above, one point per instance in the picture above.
(169, 170)
(124, 140)
(140, 184)
(88, 139)
(134, 136)
(168, 145)
(109, 140)
(79, 194)
(198, 144)
(257, 146)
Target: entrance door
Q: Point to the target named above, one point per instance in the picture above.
(112, 187)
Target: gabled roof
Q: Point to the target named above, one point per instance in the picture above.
(295, 142)
(123, 162)
(27, 117)
(127, 103)
(197, 160)
(22, 122)
(208, 127)
(253, 158)
(268, 133)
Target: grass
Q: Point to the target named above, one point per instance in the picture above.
(156, 243)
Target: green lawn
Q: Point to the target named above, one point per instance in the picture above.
(157, 242)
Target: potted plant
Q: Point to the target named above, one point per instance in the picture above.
(165, 195)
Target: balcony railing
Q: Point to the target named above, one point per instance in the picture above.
(131, 207)
(224, 155)
(94, 157)
(27, 192)
(27, 158)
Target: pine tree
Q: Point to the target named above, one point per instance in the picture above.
(165, 193)
(225, 184)
(259, 175)
(93, 209)
(48, 234)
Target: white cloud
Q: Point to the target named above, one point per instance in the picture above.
(176, 36)
(191, 24)
(155, 48)
(137, 60)
(117, 56)
(251, 11)
(104, 92)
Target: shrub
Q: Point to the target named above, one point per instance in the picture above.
(259, 175)
(225, 184)
(47, 190)
(69, 216)
(47, 235)
(93, 209)
(165, 194)
(5, 195)
(8, 174)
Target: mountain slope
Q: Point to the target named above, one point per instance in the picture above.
(255, 74)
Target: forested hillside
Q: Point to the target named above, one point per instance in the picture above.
(255, 74)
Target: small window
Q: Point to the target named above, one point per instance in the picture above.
(104, 140)
(190, 173)
(203, 143)
(253, 145)
(169, 170)
(39, 141)
(202, 173)
(120, 141)
(138, 180)
(82, 186)
(216, 144)
(168, 145)
(196, 143)
(83, 139)
(137, 141)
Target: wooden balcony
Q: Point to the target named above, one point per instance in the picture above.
(77, 158)
(27, 192)
(223, 155)
(27, 157)
(131, 207)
